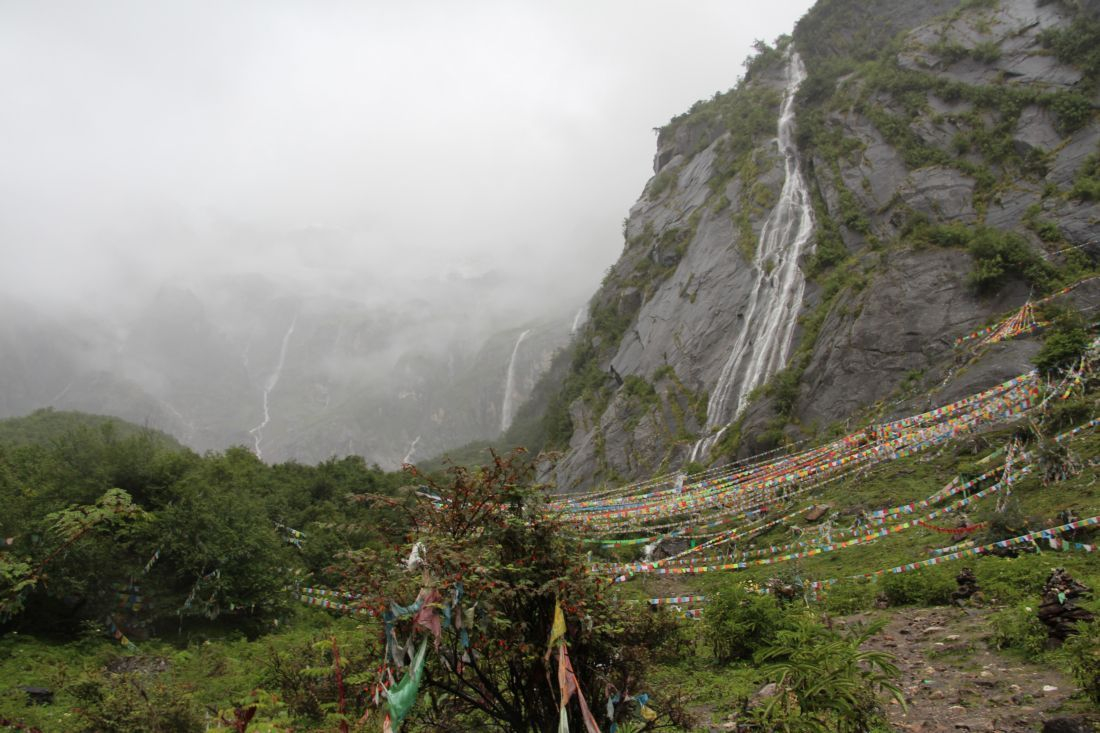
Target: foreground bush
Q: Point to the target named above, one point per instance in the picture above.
(1083, 653)
(739, 623)
(825, 681)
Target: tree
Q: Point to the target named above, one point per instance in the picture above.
(19, 576)
(488, 565)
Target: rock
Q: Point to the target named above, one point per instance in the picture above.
(1059, 610)
(1050, 688)
(1036, 131)
(38, 695)
(1068, 724)
(941, 194)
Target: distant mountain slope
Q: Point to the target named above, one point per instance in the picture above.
(291, 377)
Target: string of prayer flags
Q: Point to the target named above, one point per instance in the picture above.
(116, 632)
(953, 530)
(1057, 543)
(151, 562)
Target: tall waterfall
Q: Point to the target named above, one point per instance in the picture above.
(507, 405)
(269, 385)
(764, 343)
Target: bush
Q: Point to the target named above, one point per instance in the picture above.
(1012, 579)
(928, 587)
(738, 623)
(1000, 255)
(827, 681)
(1018, 627)
(1083, 652)
(850, 597)
(134, 703)
(1061, 349)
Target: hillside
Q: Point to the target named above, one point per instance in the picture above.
(45, 427)
(930, 176)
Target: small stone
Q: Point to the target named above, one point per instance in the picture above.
(933, 629)
(951, 637)
(1050, 688)
(986, 673)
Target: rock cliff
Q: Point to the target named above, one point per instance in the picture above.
(949, 156)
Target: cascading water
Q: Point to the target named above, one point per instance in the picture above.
(412, 450)
(272, 380)
(762, 346)
(507, 405)
(577, 321)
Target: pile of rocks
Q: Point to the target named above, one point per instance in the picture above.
(1059, 610)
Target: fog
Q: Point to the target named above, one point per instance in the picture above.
(375, 151)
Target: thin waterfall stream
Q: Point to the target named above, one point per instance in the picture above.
(507, 405)
(269, 385)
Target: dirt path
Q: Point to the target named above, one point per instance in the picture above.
(953, 682)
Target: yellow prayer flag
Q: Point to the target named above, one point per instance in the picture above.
(557, 630)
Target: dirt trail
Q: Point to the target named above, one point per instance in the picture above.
(953, 682)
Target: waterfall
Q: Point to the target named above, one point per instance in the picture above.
(507, 405)
(272, 381)
(763, 344)
(412, 449)
(577, 321)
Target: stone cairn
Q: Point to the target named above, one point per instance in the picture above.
(968, 586)
(1059, 610)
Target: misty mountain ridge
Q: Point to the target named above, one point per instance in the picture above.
(245, 361)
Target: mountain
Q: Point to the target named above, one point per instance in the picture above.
(243, 361)
(885, 181)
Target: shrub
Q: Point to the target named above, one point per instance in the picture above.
(999, 255)
(738, 623)
(134, 703)
(1064, 343)
(928, 587)
(1086, 185)
(827, 682)
(1011, 579)
(1083, 652)
(1018, 627)
(850, 597)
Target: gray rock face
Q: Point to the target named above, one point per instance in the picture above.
(896, 323)
(940, 193)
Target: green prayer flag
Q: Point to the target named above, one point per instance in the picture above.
(402, 696)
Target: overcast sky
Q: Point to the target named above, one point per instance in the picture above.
(342, 145)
